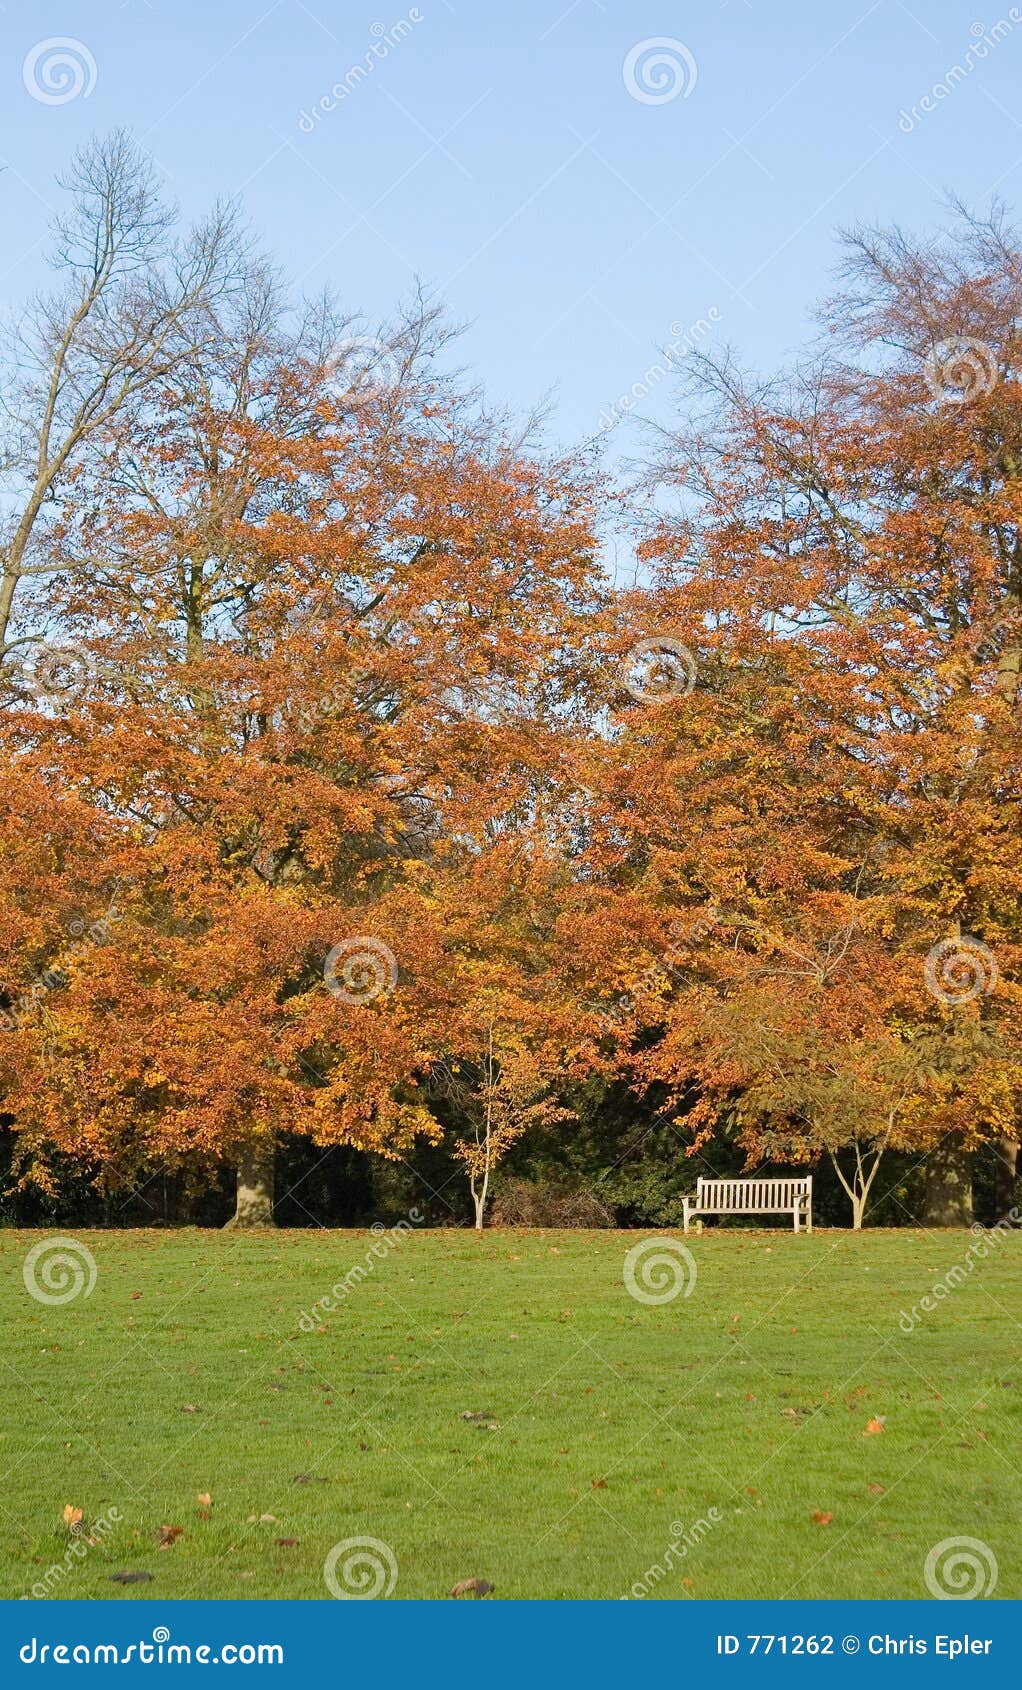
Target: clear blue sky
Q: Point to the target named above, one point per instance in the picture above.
(496, 152)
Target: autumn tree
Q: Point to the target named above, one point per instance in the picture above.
(323, 685)
(499, 1080)
(839, 780)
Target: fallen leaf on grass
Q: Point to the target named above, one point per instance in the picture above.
(166, 1535)
(599, 1484)
(820, 1518)
(189, 1408)
(72, 1517)
(875, 1425)
(204, 1499)
(472, 1587)
(287, 1543)
(876, 1490)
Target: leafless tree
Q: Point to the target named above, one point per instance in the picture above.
(134, 298)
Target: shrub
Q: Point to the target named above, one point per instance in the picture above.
(548, 1203)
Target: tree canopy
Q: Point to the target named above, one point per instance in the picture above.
(346, 796)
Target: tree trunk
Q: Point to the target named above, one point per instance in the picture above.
(255, 1185)
(947, 1197)
(8, 584)
(1005, 1175)
(858, 1185)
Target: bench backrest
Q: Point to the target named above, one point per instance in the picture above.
(747, 1196)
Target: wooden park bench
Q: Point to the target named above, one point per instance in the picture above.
(753, 1197)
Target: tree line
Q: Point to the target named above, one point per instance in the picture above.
(354, 813)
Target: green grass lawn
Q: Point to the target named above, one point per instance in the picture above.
(606, 1424)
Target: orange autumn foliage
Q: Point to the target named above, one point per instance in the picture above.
(330, 757)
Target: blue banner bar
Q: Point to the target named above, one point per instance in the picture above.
(501, 1645)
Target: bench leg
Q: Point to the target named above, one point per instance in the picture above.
(684, 1206)
(809, 1215)
(795, 1216)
